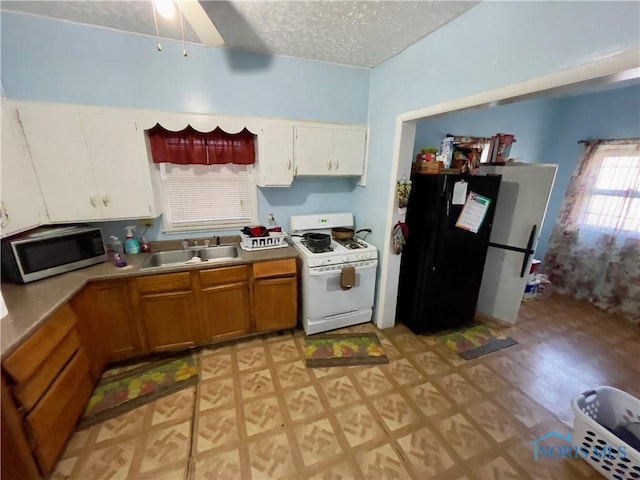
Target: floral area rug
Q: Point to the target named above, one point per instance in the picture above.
(344, 349)
(476, 341)
(125, 391)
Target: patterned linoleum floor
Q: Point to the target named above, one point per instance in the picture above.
(257, 412)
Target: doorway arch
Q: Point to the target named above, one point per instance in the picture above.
(613, 70)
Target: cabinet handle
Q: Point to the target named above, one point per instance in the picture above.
(289, 164)
(105, 199)
(5, 216)
(92, 199)
(295, 170)
(336, 166)
(328, 164)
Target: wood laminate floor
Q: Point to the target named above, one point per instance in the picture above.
(258, 413)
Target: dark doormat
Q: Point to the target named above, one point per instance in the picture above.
(126, 391)
(343, 349)
(476, 341)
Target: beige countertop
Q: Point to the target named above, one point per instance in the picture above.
(31, 304)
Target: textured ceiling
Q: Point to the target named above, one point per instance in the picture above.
(359, 33)
(362, 33)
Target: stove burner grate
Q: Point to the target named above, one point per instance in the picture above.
(352, 243)
(316, 250)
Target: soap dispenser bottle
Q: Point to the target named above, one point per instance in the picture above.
(131, 244)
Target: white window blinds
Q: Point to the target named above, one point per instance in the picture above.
(203, 197)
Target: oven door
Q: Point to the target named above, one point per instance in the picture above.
(324, 297)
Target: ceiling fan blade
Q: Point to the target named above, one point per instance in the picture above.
(201, 23)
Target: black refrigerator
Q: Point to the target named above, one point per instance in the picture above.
(442, 264)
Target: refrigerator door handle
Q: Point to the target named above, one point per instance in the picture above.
(528, 251)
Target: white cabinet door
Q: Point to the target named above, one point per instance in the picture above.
(91, 165)
(275, 155)
(60, 158)
(313, 150)
(329, 151)
(22, 205)
(348, 151)
(117, 151)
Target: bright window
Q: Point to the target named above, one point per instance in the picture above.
(612, 200)
(207, 197)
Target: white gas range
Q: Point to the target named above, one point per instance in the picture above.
(327, 303)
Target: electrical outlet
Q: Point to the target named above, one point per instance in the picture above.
(146, 222)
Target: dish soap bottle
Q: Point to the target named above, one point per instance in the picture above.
(144, 245)
(131, 244)
(116, 246)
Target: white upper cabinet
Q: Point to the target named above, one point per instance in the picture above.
(275, 155)
(22, 206)
(120, 165)
(349, 146)
(91, 166)
(330, 150)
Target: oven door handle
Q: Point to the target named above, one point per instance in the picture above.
(328, 273)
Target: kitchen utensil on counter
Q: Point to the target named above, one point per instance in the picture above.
(256, 231)
(344, 233)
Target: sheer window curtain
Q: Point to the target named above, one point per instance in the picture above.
(594, 250)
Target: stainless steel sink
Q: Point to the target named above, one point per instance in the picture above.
(173, 258)
(226, 252)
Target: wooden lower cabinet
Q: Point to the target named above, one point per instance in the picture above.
(225, 302)
(275, 295)
(53, 419)
(49, 380)
(166, 309)
(169, 320)
(106, 323)
(17, 459)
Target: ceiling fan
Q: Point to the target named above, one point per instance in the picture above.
(193, 12)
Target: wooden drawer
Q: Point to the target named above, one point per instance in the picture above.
(29, 357)
(29, 392)
(221, 276)
(164, 283)
(274, 269)
(54, 417)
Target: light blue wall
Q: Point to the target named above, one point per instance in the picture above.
(547, 131)
(494, 44)
(609, 114)
(52, 61)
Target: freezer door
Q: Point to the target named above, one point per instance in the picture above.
(442, 264)
(521, 207)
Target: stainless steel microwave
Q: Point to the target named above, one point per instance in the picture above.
(49, 251)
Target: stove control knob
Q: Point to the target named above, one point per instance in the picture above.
(360, 256)
(344, 259)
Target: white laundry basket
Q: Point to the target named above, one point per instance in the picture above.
(610, 407)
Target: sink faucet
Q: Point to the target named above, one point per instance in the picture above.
(207, 242)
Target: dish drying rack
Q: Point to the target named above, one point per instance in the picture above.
(274, 240)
